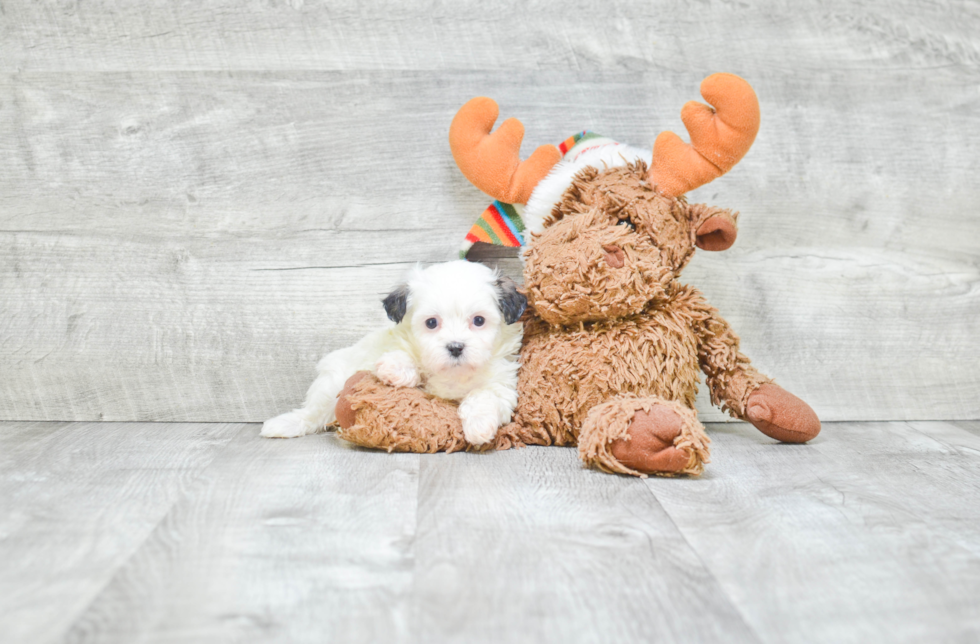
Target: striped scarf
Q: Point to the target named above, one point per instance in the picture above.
(501, 223)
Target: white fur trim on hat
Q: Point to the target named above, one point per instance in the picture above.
(598, 152)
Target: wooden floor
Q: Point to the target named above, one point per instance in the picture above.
(125, 532)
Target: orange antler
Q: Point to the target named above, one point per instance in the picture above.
(720, 137)
(492, 162)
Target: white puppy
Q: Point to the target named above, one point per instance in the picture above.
(456, 335)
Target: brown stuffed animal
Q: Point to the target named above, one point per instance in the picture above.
(613, 341)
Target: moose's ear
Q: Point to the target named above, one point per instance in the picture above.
(717, 232)
(511, 301)
(396, 303)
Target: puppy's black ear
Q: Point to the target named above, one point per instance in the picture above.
(511, 302)
(396, 303)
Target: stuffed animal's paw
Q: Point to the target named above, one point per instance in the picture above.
(649, 444)
(396, 369)
(779, 414)
(346, 416)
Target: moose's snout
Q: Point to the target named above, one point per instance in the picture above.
(455, 349)
(614, 256)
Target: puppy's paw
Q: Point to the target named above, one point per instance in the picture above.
(289, 425)
(479, 421)
(480, 430)
(396, 369)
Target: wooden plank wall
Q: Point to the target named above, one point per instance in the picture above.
(198, 199)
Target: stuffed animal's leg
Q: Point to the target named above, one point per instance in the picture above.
(745, 393)
(639, 436)
(398, 419)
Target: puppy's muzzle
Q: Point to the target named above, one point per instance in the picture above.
(455, 349)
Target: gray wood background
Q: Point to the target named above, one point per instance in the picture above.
(198, 199)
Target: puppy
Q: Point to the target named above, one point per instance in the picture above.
(456, 335)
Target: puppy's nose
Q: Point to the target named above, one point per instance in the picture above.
(455, 349)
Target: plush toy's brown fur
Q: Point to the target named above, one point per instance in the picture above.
(611, 330)
(613, 342)
(402, 419)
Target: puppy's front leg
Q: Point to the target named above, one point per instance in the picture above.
(397, 369)
(483, 411)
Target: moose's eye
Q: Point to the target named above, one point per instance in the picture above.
(627, 222)
(431, 323)
(479, 321)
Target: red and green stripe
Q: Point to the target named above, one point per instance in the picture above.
(571, 141)
(499, 225)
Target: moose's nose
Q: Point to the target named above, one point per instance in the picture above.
(614, 256)
(455, 349)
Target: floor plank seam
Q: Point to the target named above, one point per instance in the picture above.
(413, 626)
(197, 481)
(704, 565)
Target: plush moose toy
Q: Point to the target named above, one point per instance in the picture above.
(613, 342)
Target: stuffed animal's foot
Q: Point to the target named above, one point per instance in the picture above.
(642, 436)
(779, 414)
(398, 419)
(649, 443)
(344, 411)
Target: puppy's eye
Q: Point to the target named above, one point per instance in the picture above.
(626, 222)
(478, 321)
(431, 323)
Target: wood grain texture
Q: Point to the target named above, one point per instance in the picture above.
(573, 35)
(281, 540)
(527, 546)
(124, 532)
(972, 426)
(197, 200)
(865, 534)
(76, 502)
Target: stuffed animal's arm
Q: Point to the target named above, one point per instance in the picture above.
(740, 389)
(730, 375)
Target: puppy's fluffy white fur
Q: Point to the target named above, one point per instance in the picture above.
(451, 337)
